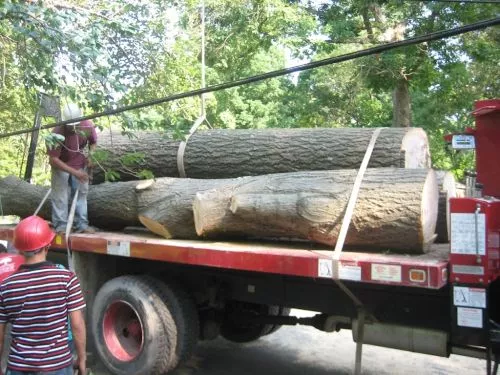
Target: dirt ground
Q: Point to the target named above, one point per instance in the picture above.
(307, 351)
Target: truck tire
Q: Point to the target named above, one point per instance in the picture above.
(241, 332)
(283, 311)
(186, 318)
(134, 331)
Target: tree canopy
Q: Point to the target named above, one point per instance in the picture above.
(109, 54)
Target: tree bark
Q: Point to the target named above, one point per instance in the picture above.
(235, 153)
(447, 189)
(401, 115)
(396, 208)
(20, 198)
(110, 206)
(116, 205)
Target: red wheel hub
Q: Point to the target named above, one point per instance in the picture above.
(123, 331)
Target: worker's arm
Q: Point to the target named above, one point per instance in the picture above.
(2, 338)
(80, 338)
(55, 162)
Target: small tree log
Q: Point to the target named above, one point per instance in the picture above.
(20, 198)
(110, 206)
(447, 189)
(396, 208)
(163, 205)
(169, 211)
(234, 153)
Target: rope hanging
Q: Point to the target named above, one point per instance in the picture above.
(203, 117)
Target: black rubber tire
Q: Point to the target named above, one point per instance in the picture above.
(185, 314)
(158, 326)
(246, 333)
(283, 311)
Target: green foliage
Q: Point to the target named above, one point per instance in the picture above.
(111, 175)
(53, 140)
(132, 159)
(108, 54)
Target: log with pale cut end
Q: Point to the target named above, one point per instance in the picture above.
(163, 205)
(226, 153)
(447, 189)
(170, 211)
(396, 208)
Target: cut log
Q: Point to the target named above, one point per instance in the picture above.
(169, 212)
(110, 206)
(21, 198)
(396, 208)
(120, 204)
(447, 189)
(233, 153)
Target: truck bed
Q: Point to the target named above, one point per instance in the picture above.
(286, 258)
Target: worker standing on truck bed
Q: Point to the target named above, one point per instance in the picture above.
(70, 170)
(37, 300)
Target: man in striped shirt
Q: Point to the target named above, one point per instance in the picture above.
(37, 300)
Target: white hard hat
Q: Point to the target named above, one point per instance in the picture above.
(70, 111)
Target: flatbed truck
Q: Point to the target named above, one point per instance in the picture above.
(149, 300)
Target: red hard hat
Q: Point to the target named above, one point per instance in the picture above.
(32, 234)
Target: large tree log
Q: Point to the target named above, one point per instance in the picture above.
(447, 189)
(396, 208)
(120, 204)
(235, 153)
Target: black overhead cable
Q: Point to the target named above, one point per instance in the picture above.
(463, 2)
(458, 1)
(277, 73)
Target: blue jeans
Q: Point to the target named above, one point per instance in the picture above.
(64, 186)
(64, 371)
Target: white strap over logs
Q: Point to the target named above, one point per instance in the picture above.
(183, 144)
(69, 225)
(340, 245)
(203, 117)
(352, 204)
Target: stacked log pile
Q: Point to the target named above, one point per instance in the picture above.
(287, 183)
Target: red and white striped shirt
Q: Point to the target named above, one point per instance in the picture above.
(37, 299)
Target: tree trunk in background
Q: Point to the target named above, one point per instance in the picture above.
(396, 208)
(235, 153)
(401, 105)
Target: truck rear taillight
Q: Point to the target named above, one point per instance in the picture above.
(418, 276)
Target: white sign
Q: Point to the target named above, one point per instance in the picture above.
(384, 272)
(469, 317)
(467, 270)
(350, 273)
(325, 266)
(472, 297)
(463, 142)
(121, 248)
(463, 234)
